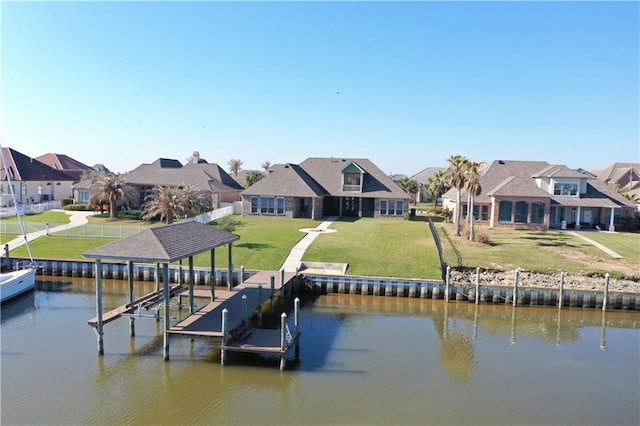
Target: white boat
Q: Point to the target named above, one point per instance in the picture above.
(23, 277)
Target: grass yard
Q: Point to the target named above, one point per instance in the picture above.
(379, 247)
(62, 248)
(540, 251)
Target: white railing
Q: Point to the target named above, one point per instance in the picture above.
(25, 209)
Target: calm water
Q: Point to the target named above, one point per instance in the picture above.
(363, 360)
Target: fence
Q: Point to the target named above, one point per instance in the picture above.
(26, 209)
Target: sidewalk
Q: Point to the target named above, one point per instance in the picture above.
(77, 218)
(596, 244)
(295, 256)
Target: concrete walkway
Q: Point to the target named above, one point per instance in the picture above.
(77, 218)
(596, 244)
(295, 256)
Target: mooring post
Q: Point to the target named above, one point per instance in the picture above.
(561, 295)
(605, 300)
(273, 291)
(283, 340)
(260, 305)
(447, 283)
(165, 292)
(241, 274)
(283, 289)
(477, 285)
(245, 318)
(132, 321)
(515, 287)
(192, 283)
(212, 278)
(603, 332)
(230, 279)
(225, 319)
(296, 319)
(100, 325)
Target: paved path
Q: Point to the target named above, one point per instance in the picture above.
(596, 244)
(77, 218)
(295, 256)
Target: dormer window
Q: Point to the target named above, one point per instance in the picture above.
(565, 189)
(352, 178)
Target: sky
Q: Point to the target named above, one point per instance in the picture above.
(404, 84)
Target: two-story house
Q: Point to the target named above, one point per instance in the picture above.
(320, 187)
(538, 195)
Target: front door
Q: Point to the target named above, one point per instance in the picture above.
(587, 216)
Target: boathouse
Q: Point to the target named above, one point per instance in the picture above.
(162, 246)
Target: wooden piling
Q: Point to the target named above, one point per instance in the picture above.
(283, 341)
(606, 292)
(515, 287)
(477, 285)
(225, 322)
(447, 284)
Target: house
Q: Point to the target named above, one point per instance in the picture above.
(32, 180)
(422, 177)
(170, 172)
(64, 163)
(538, 195)
(625, 176)
(320, 187)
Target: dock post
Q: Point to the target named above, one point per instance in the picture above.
(447, 284)
(260, 305)
(241, 274)
(245, 318)
(273, 291)
(225, 319)
(296, 321)
(132, 320)
(100, 326)
(561, 294)
(212, 279)
(515, 287)
(606, 292)
(283, 341)
(283, 289)
(477, 285)
(192, 283)
(165, 290)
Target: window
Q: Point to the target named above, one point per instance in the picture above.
(522, 210)
(255, 201)
(24, 189)
(565, 189)
(280, 205)
(504, 212)
(537, 213)
(391, 208)
(83, 196)
(267, 205)
(477, 210)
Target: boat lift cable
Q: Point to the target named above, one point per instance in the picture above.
(15, 203)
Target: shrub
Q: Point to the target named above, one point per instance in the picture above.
(227, 223)
(129, 214)
(78, 207)
(66, 201)
(483, 237)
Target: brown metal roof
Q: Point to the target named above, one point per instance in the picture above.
(168, 243)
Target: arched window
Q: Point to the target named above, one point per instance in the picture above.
(504, 212)
(522, 209)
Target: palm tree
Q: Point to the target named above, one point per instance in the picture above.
(473, 188)
(235, 165)
(437, 185)
(175, 202)
(252, 178)
(456, 178)
(266, 166)
(112, 188)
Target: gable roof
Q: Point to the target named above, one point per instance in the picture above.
(171, 173)
(316, 177)
(64, 163)
(24, 168)
(424, 175)
(167, 243)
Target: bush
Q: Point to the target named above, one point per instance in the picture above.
(66, 201)
(227, 223)
(129, 214)
(78, 207)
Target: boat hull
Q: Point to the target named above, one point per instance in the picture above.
(14, 283)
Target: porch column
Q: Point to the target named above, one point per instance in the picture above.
(578, 218)
(611, 225)
(492, 213)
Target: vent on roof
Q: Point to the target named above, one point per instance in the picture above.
(500, 162)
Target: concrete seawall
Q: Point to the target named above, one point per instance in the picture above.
(424, 289)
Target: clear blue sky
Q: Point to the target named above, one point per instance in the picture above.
(404, 84)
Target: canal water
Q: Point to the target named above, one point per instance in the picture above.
(363, 360)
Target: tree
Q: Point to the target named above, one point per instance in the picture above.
(456, 178)
(112, 188)
(473, 188)
(175, 202)
(266, 166)
(252, 178)
(436, 186)
(409, 186)
(235, 165)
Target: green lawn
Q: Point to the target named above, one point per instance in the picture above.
(393, 248)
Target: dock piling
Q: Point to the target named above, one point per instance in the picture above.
(283, 341)
(606, 292)
(561, 293)
(515, 287)
(447, 283)
(225, 320)
(477, 285)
